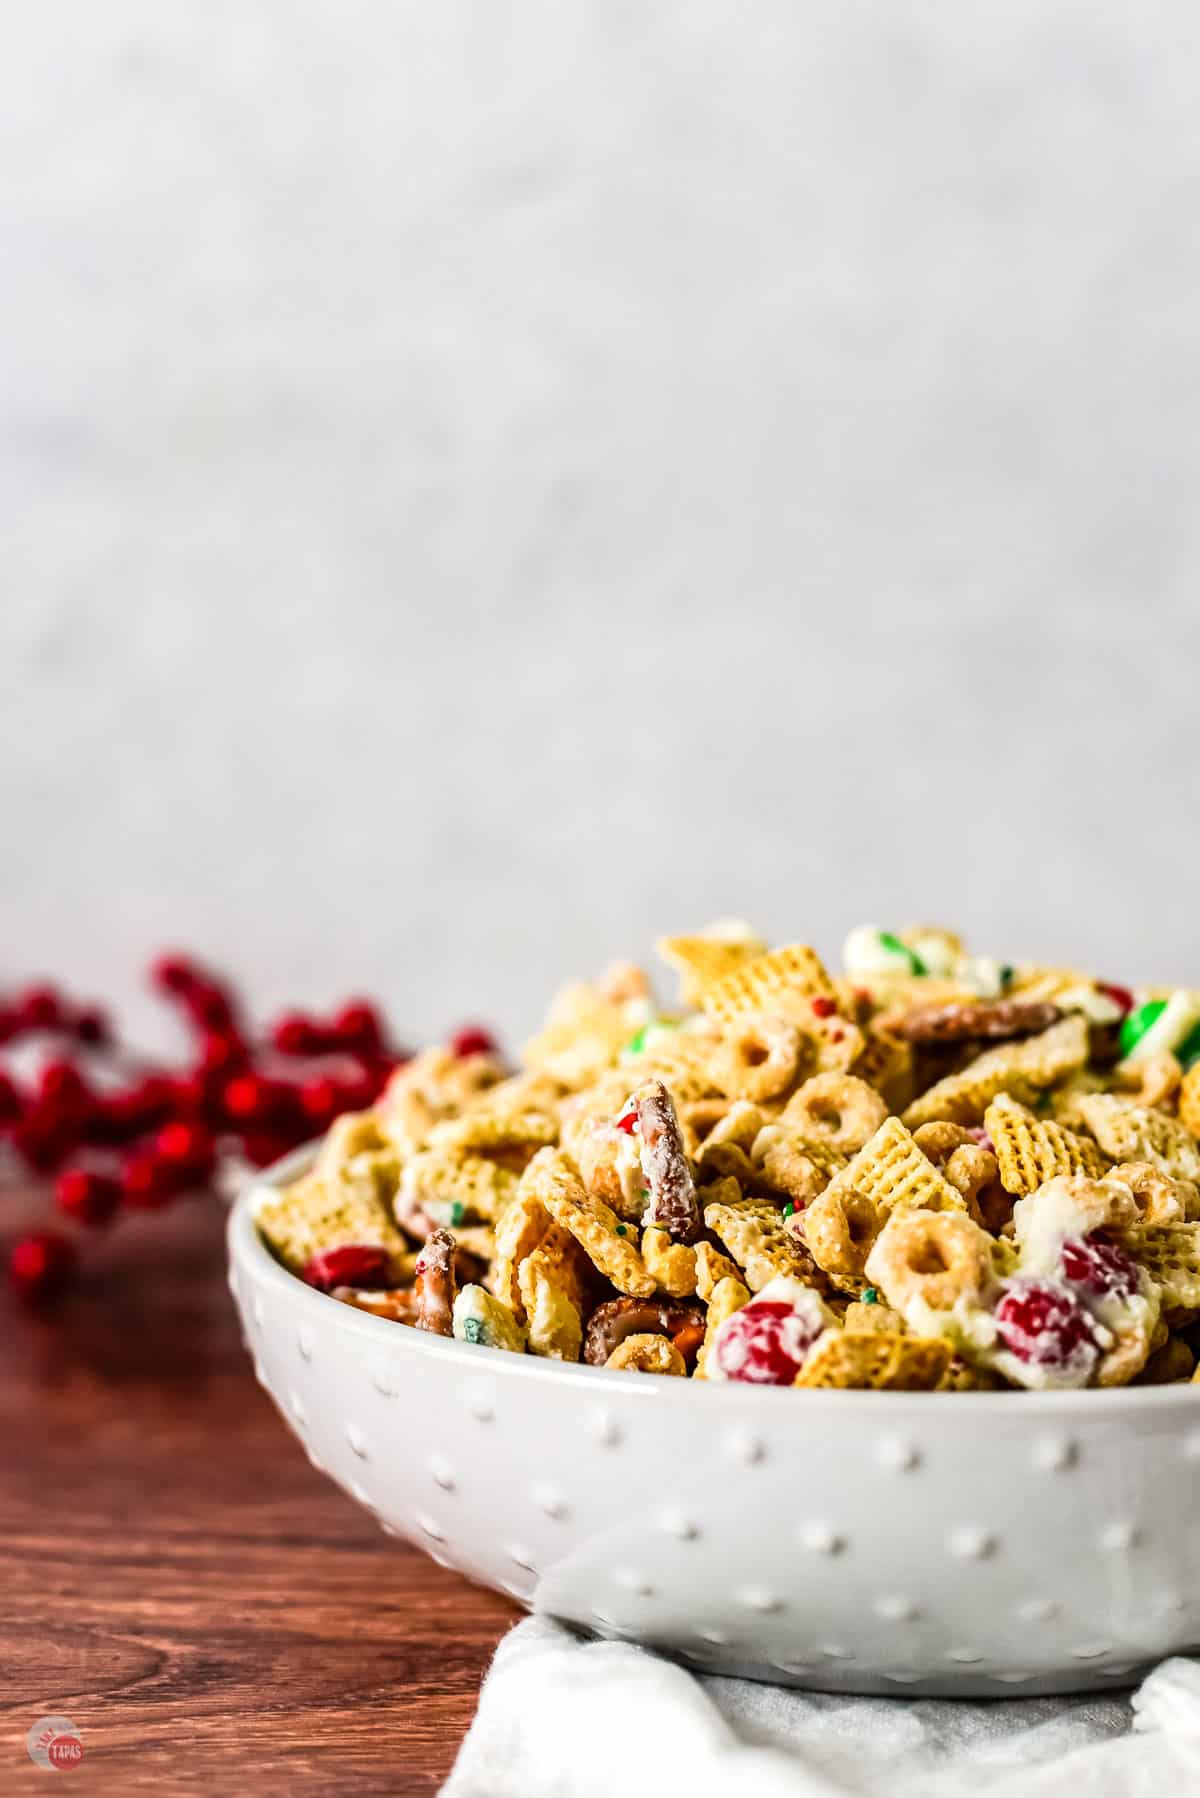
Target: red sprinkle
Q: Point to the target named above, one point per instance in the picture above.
(823, 1008)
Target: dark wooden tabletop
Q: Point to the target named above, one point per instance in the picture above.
(212, 1614)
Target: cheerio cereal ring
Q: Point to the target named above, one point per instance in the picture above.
(759, 1058)
(932, 1257)
(837, 1110)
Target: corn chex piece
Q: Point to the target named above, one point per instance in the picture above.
(353, 1134)
(886, 1063)
(711, 1268)
(481, 1318)
(1032, 1150)
(893, 1173)
(671, 1264)
(1022, 1068)
(783, 983)
(1170, 1254)
(728, 1296)
(703, 960)
(583, 1035)
(876, 1320)
(759, 1240)
(1189, 1100)
(609, 1244)
(551, 1286)
(875, 1361)
(518, 1234)
(490, 1129)
(1134, 1133)
(313, 1215)
(454, 1188)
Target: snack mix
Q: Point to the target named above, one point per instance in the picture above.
(931, 1172)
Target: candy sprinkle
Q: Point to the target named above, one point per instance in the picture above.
(457, 1212)
(789, 1210)
(472, 1331)
(620, 1230)
(870, 1296)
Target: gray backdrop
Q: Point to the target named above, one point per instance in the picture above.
(484, 483)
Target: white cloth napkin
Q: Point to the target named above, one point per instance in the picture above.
(560, 1717)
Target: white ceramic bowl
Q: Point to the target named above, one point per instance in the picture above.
(965, 1544)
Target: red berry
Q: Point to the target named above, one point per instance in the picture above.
(254, 1099)
(11, 1105)
(473, 1041)
(92, 1026)
(822, 1007)
(41, 1265)
(221, 1052)
(39, 1007)
(173, 973)
(357, 1027)
(42, 1139)
(187, 1146)
(295, 1033)
(765, 1342)
(1120, 996)
(320, 1100)
(1100, 1268)
(211, 1007)
(1042, 1322)
(263, 1147)
(87, 1195)
(148, 1181)
(61, 1086)
(352, 1265)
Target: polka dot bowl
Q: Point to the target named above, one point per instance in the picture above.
(964, 1544)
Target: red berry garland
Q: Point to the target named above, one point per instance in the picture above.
(120, 1134)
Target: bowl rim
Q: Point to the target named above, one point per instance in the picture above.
(245, 1245)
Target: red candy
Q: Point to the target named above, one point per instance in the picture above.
(764, 1344)
(353, 1265)
(1042, 1323)
(1099, 1268)
(628, 1121)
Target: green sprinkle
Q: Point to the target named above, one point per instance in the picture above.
(1007, 976)
(896, 947)
(620, 1229)
(457, 1212)
(472, 1330)
(637, 1041)
(788, 1210)
(645, 1191)
(870, 1296)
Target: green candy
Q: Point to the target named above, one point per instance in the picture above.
(1139, 1021)
(896, 947)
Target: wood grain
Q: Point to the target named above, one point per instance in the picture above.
(214, 1615)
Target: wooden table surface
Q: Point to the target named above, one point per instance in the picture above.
(212, 1614)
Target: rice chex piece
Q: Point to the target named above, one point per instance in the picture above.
(1170, 1254)
(892, 1172)
(782, 983)
(876, 1361)
(1134, 1133)
(1022, 1068)
(1032, 1150)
